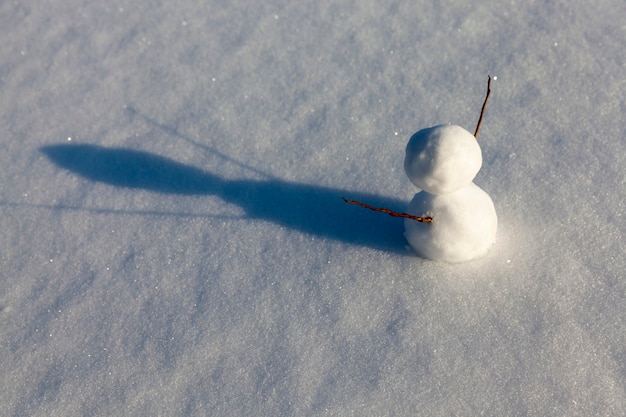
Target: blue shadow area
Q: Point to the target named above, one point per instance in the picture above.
(312, 209)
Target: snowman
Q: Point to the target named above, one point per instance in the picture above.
(451, 219)
(442, 161)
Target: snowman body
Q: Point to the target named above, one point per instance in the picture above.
(442, 161)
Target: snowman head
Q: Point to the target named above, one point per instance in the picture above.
(442, 159)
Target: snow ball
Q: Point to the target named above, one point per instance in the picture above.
(442, 159)
(463, 228)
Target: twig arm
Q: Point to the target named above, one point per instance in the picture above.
(390, 212)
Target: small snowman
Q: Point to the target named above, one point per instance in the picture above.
(451, 219)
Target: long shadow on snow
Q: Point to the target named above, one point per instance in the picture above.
(316, 210)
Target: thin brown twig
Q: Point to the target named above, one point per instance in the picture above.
(390, 212)
(482, 111)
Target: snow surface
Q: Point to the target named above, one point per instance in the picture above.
(173, 239)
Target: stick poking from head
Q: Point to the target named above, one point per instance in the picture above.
(482, 111)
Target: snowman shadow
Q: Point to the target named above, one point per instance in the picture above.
(315, 210)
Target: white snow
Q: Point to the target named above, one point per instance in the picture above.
(188, 253)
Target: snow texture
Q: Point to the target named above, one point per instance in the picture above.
(173, 240)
